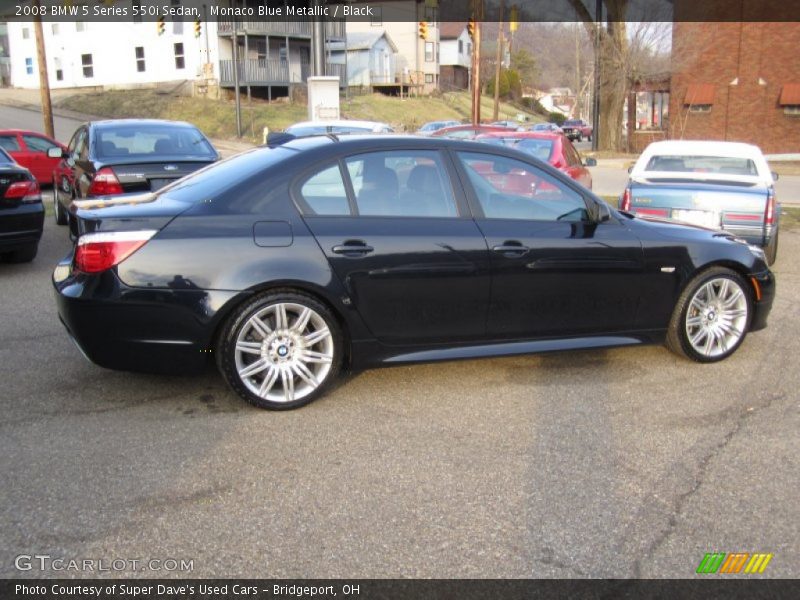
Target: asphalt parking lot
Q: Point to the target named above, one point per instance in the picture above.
(618, 463)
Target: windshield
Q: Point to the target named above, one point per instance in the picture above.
(569, 123)
(151, 140)
(702, 164)
(209, 182)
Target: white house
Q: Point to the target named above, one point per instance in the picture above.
(369, 56)
(455, 56)
(417, 60)
(82, 54)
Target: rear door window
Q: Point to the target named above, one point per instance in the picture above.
(9, 142)
(325, 193)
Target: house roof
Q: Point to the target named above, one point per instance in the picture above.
(450, 30)
(362, 40)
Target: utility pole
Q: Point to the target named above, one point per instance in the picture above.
(44, 82)
(498, 65)
(477, 14)
(596, 116)
(236, 94)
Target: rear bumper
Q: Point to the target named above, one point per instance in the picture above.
(762, 308)
(130, 329)
(21, 225)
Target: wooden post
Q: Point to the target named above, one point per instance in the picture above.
(497, 66)
(44, 82)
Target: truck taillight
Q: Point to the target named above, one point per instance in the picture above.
(97, 252)
(625, 203)
(27, 192)
(769, 211)
(105, 183)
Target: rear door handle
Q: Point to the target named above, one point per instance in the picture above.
(353, 248)
(511, 249)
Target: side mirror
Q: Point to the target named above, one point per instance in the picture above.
(590, 162)
(603, 212)
(774, 176)
(630, 169)
(55, 152)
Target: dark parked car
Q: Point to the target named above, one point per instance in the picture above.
(577, 129)
(290, 263)
(21, 211)
(553, 148)
(110, 158)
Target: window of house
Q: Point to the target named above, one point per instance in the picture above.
(26, 33)
(789, 99)
(29, 66)
(461, 46)
(180, 62)
(428, 77)
(140, 66)
(59, 70)
(54, 28)
(429, 51)
(88, 65)
(699, 97)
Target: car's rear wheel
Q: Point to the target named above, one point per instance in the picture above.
(772, 249)
(58, 211)
(280, 350)
(712, 316)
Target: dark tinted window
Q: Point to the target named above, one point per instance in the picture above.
(209, 182)
(510, 189)
(150, 140)
(9, 142)
(401, 183)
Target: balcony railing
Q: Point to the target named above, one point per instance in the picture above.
(273, 71)
(333, 29)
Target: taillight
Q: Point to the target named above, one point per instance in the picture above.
(98, 252)
(27, 192)
(653, 212)
(769, 212)
(625, 204)
(104, 183)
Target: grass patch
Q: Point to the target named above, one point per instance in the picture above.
(785, 168)
(217, 118)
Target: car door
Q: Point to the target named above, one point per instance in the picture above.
(82, 168)
(398, 234)
(556, 269)
(42, 165)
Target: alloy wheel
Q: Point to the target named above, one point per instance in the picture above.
(716, 318)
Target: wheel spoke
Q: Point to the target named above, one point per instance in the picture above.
(698, 304)
(694, 321)
(722, 337)
(735, 296)
(253, 368)
(709, 344)
(261, 327)
(735, 313)
(305, 374)
(695, 340)
(316, 336)
(281, 320)
(310, 356)
(723, 289)
(287, 380)
(269, 381)
(302, 321)
(711, 293)
(249, 347)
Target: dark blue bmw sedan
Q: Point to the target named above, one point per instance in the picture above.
(287, 264)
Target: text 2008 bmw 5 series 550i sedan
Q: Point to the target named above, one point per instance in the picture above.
(289, 263)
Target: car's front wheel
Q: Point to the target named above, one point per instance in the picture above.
(712, 316)
(281, 350)
(58, 210)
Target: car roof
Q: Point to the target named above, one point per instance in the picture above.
(694, 147)
(537, 135)
(110, 123)
(339, 123)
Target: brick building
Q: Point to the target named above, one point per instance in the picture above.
(737, 82)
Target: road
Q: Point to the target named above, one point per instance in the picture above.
(21, 118)
(616, 463)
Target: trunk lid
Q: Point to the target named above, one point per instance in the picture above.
(124, 213)
(150, 177)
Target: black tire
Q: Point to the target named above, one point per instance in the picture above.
(677, 335)
(772, 249)
(239, 328)
(24, 254)
(59, 213)
(579, 138)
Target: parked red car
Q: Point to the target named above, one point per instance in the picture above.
(29, 149)
(468, 132)
(553, 148)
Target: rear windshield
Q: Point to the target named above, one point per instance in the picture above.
(209, 182)
(150, 141)
(702, 164)
(301, 131)
(568, 123)
(541, 149)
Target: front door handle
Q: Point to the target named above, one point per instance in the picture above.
(353, 248)
(511, 249)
